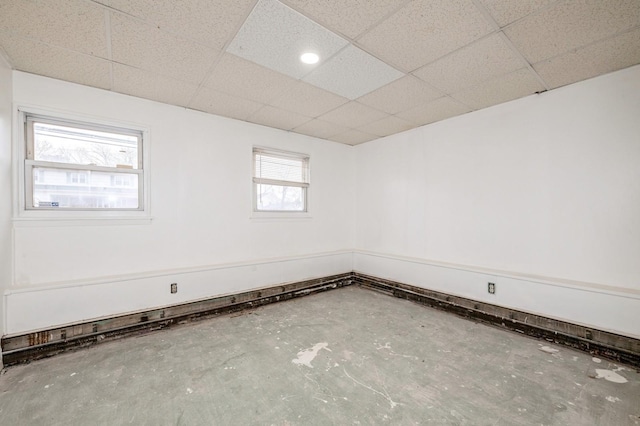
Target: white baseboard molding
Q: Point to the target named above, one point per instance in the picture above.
(607, 308)
(32, 309)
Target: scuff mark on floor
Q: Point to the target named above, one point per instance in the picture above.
(392, 352)
(548, 350)
(384, 395)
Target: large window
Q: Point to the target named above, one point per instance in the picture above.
(70, 165)
(280, 181)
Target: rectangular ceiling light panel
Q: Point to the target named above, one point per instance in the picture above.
(353, 73)
(275, 36)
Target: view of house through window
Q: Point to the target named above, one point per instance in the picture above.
(281, 181)
(82, 167)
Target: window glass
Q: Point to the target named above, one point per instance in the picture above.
(84, 190)
(280, 198)
(63, 144)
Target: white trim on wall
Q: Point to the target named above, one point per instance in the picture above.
(57, 304)
(606, 308)
(552, 281)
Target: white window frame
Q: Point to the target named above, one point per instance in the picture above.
(256, 180)
(25, 163)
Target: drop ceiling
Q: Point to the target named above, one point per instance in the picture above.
(385, 66)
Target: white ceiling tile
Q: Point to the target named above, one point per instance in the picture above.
(215, 102)
(348, 17)
(353, 115)
(278, 118)
(433, 111)
(210, 22)
(572, 24)
(508, 11)
(353, 137)
(74, 24)
(247, 79)
(425, 30)
(143, 46)
(144, 84)
(596, 59)
(401, 95)
(39, 58)
(320, 129)
(482, 60)
(274, 35)
(501, 89)
(308, 100)
(387, 126)
(164, 49)
(352, 73)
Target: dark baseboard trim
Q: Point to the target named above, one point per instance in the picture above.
(608, 345)
(29, 347)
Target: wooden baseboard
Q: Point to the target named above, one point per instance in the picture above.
(28, 347)
(31, 346)
(597, 342)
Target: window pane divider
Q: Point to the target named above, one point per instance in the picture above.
(80, 167)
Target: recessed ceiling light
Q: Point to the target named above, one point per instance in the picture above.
(309, 58)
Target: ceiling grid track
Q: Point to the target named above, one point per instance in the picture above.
(107, 29)
(593, 43)
(221, 54)
(483, 10)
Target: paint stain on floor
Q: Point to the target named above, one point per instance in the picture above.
(610, 376)
(307, 355)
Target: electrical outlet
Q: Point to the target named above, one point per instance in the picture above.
(174, 288)
(491, 288)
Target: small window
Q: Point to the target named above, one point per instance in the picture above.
(280, 181)
(78, 166)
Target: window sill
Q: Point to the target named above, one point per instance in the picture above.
(285, 216)
(27, 222)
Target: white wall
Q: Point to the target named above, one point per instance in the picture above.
(5, 183)
(201, 204)
(540, 195)
(546, 188)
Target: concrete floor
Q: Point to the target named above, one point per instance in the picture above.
(347, 356)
